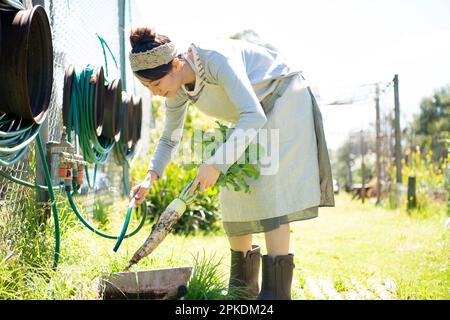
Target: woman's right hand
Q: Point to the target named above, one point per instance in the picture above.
(139, 191)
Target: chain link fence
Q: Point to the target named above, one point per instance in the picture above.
(75, 25)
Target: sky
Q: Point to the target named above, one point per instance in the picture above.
(340, 45)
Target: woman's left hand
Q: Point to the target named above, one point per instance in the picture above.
(207, 177)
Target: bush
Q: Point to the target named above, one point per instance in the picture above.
(431, 181)
(201, 216)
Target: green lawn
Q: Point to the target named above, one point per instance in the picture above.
(352, 251)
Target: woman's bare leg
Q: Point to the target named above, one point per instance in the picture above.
(277, 241)
(241, 243)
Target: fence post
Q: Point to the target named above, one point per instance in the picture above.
(123, 73)
(398, 147)
(42, 197)
(378, 142)
(363, 176)
(411, 200)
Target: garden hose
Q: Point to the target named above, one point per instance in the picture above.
(124, 152)
(104, 235)
(124, 149)
(83, 109)
(15, 137)
(26, 183)
(80, 97)
(11, 5)
(25, 103)
(50, 188)
(17, 134)
(52, 198)
(105, 44)
(95, 148)
(27, 64)
(83, 112)
(84, 99)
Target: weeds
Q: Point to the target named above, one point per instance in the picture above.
(207, 281)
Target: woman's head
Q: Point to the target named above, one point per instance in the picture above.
(155, 61)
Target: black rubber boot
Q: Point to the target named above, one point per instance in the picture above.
(244, 274)
(277, 275)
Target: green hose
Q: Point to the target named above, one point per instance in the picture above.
(52, 198)
(95, 149)
(104, 235)
(125, 226)
(105, 44)
(26, 183)
(15, 138)
(16, 135)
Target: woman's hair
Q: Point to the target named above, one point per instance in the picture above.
(144, 39)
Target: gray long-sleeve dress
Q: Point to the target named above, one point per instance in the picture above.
(233, 79)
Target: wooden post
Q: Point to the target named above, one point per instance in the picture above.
(411, 201)
(398, 147)
(378, 142)
(363, 188)
(349, 177)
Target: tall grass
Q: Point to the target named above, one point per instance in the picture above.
(351, 243)
(27, 248)
(431, 180)
(207, 281)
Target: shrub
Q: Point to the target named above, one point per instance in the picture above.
(202, 216)
(431, 181)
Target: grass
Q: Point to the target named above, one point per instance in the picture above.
(349, 244)
(355, 243)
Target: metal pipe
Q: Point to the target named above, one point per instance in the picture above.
(137, 120)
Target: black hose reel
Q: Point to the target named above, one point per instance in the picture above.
(127, 120)
(98, 79)
(26, 64)
(112, 105)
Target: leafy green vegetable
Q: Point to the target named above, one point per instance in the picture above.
(238, 173)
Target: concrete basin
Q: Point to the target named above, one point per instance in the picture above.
(156, 284)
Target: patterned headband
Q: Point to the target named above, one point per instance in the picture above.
(153, 58)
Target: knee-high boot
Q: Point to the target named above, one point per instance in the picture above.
(244, 273)
(277, 275)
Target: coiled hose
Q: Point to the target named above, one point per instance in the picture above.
(96, 149)
(16, 135)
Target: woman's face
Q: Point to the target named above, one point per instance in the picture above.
(168, 85)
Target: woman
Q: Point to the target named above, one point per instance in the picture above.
(255, 89)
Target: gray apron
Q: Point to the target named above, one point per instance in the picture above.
(302, 181)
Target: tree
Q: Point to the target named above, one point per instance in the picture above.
(432, 124)
(250, 35)
(434, 114)
(347, 162)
